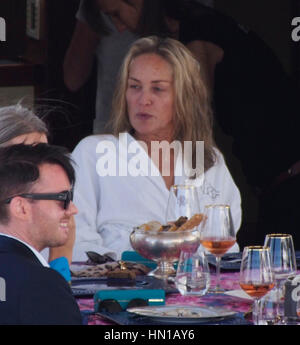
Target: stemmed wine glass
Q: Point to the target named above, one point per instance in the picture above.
(183, 202)
(283, 261)
(256, 275)
(217, 235)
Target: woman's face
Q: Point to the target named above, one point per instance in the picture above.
(123, 13)
(150, 96)
(29, 139)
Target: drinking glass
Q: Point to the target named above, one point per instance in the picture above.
(192, 275)
(217, 235)
(283, 261)
(183, 202)
(256, 276)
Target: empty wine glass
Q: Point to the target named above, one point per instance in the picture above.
(256, 276)
(283, 262)
(192, 275)
(183, 202)
(217, 235)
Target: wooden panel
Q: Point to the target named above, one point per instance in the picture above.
(13, 11)
(12, 94)
(17, 74)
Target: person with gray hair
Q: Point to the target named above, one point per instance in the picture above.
(20, 125)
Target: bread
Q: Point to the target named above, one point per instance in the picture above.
(182, 223)
(121, 274)
(192, 222)
(151, 226)
(121, 277)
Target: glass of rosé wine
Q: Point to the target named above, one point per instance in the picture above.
(217, 235)
(256, 276)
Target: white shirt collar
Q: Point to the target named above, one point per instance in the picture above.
(35, 252)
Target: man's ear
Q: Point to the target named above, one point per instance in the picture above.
(20, 208)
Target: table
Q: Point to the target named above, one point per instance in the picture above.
(229, 281)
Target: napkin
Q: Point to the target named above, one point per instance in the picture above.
(137, 258)
(102, 270)
(229, 262)
(238, 293)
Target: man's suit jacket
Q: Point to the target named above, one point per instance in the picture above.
(35, 294)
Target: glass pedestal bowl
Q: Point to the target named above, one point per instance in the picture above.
(164, 247)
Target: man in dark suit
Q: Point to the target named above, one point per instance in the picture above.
(35, 208)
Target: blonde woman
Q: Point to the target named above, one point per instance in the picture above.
(123, 179)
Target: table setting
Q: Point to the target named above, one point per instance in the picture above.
(179, 273)
(240, 304)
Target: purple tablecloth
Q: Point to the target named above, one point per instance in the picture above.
(229, 281)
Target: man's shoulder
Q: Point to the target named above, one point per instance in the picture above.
(16, 257)
(14, 252)
(25, 264)
(38, 294)
(51, 295)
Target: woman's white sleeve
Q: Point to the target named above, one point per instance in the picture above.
(87, 200)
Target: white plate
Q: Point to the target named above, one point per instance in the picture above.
(183, 314)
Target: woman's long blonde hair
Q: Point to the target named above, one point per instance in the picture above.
(193, 114)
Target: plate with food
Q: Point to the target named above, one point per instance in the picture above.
(183, 314)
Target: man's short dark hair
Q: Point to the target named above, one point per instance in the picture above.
(19, 169)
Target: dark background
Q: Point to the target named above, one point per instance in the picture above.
(70, 114)
(25, 61)
(271, 19)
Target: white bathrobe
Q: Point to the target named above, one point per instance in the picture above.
(110, 206)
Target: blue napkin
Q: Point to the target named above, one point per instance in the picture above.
(137, 258)
(61, 265)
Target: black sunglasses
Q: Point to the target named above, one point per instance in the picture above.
(66, 197)
(113, 306)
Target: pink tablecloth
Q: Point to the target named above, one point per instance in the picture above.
(229, 281)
